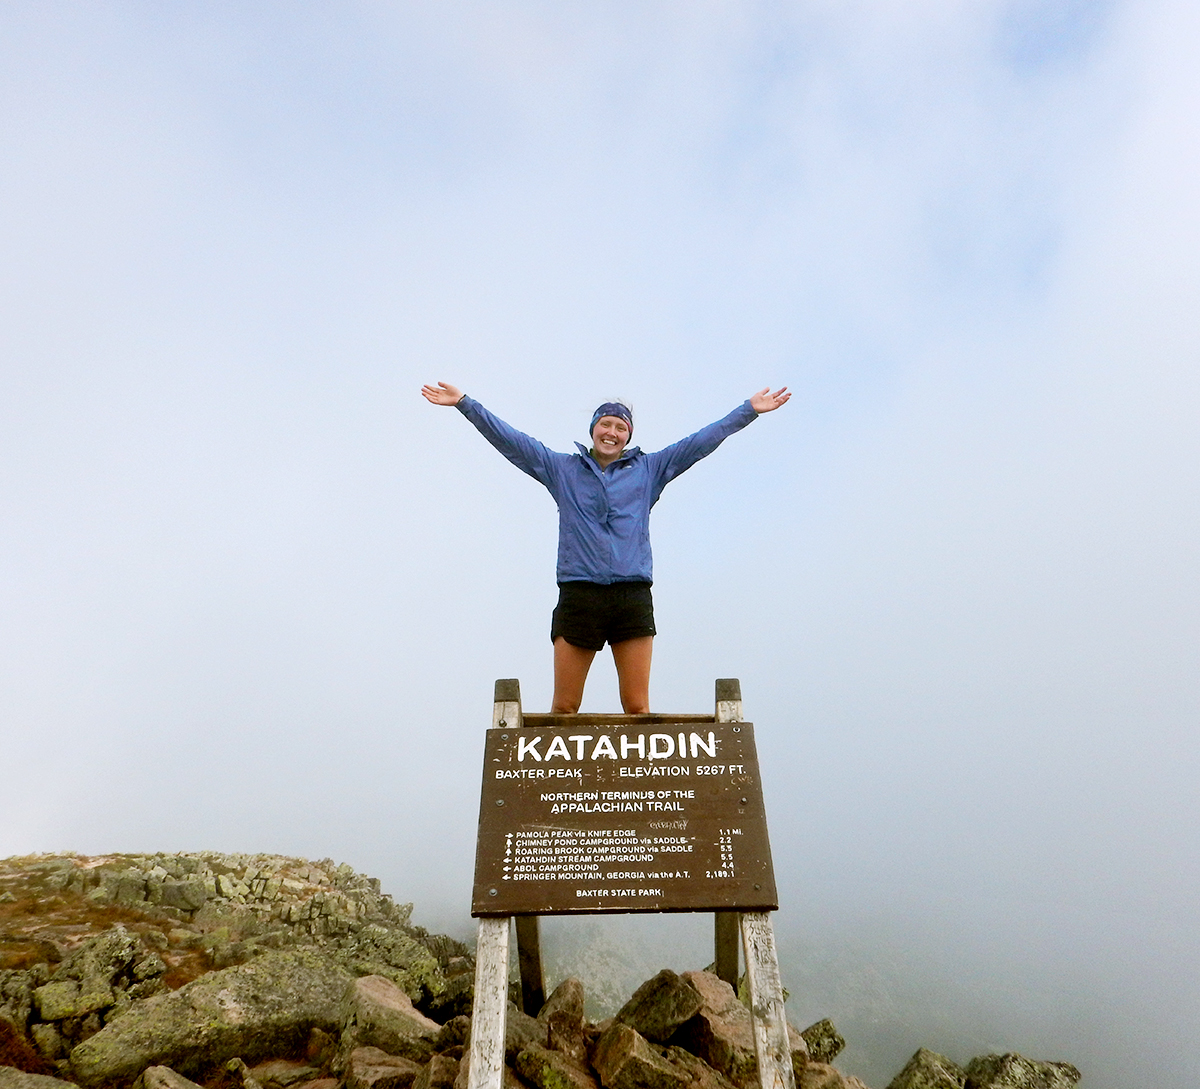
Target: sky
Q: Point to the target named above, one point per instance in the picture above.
(254, 591)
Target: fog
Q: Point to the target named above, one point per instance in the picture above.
(254, 591)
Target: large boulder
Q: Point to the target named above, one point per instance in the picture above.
(1013, 1071)
(16, 994)
(721, 1032)
(377, 1013)
(256, 1011)
(282, 1073)
(699, 1074)
(454, 1033)
(660, 1005)
(12, 1078)
(520, 1032)
(184, 895)
(824, 1076)
(454, 1000)
(563, 1017)
(929, 1070)
(547, 1069)
(163, 1077)
(624, 1059)
(438, 1073)
(371, 1068)
(64, 998)
(106, 957)
(823, 1040)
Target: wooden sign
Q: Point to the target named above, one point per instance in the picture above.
(589, 818)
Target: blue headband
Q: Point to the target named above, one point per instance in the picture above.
(612, 408)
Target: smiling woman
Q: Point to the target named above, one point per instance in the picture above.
(605, 569)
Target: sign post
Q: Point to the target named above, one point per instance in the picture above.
(587, 814)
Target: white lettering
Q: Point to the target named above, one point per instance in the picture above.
(628, 746)
(604, 747)
(661, 754)
(698, 744)
(579, 739)
(524, 745)
(558, 747)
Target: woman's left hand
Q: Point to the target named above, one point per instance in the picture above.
(766, 401)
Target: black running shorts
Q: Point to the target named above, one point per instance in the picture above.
(589, 614)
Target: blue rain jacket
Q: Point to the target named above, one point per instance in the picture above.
(603, 515)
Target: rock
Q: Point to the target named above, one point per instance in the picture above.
(929, 1070)
(66, 998)
(371, 1068)
(129, 888)
(454, 1033)
(16, 994)
(281, 1073)
(320, 1047)
(147, 988)
(547, 1069)
(824, 1076)
(700, 1074)
(624, 1059)
(660, 1005)
(455, 999)
(105, 957)
(163, 1077)
(824, 1042)
(439, 1073)
(721, 1032)
(255, 1011)
(377, 1013)
(373, 949)
(12, 1078)
(1013, 1071)
(520, 1032)
(239, 1071)
(148, 967)
(48, 1041)
(563, 1017)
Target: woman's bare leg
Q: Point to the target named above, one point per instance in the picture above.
(632, 657)
(571, 665)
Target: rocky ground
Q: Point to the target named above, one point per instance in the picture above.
(262, 972)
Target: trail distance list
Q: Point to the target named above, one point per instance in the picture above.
(622, 818)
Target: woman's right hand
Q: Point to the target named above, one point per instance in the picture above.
(442, 394)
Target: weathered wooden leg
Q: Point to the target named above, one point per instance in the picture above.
(771, 1043)
(506, 705)
(725, 928)
(491, 1005)
(529, 956)
(725, 939)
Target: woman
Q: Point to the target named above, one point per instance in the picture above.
(604, 495)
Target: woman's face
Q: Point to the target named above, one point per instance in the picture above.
(609, 437)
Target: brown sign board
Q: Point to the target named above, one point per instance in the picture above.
(622, 818)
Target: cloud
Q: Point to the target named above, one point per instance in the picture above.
(250, 578)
